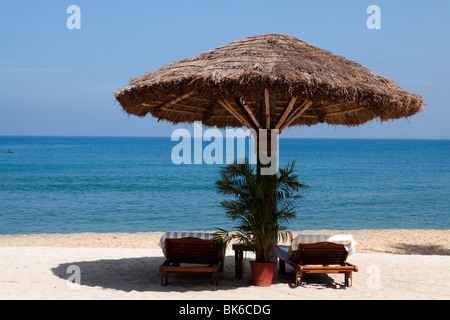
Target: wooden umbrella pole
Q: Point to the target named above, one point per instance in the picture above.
(258, 153)
(267, 104)
(272, 253)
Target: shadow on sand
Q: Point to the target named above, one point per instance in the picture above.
(406, 248)
(142, 275)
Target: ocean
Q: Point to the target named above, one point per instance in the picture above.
(128, 184)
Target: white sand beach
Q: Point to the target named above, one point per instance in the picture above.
(392, 264)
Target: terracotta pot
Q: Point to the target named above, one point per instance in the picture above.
(262, 273)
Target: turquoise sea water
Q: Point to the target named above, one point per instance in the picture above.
(98, 184)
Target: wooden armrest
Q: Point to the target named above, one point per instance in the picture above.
(351, 265)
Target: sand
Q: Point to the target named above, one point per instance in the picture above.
(393, 264)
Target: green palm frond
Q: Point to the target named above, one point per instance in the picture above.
(261, 205)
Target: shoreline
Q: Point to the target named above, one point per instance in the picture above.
(391, 241)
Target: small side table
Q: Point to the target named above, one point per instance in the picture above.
(239, 249)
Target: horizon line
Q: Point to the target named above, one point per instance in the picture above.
(168, 137)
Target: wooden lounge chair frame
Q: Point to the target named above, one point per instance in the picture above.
(191, 251)
(321, 257)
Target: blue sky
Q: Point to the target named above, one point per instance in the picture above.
(56, 81)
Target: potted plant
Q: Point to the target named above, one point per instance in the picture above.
(262, 206)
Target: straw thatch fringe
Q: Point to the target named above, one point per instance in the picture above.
(340, 92)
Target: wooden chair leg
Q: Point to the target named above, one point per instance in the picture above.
(348, 279)
(215, 277)
(298, 278)
(164, 278)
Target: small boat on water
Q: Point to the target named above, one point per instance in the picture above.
(9, 151)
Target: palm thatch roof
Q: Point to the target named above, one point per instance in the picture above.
(267, 81)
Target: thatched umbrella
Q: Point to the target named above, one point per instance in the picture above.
(267, 82)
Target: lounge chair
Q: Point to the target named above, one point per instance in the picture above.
(203, 252)
(318, 254)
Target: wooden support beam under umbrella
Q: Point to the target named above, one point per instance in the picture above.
(267, 82)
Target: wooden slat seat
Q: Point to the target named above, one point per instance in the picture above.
(322, 257)
(204, 255)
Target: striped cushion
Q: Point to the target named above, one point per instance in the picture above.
(183, 234)
(346, 240)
